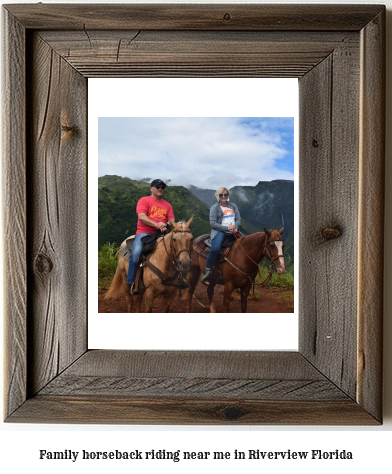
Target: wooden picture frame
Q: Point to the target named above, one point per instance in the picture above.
(338, 54)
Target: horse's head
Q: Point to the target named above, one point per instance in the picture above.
(181, 244)
(274, 249)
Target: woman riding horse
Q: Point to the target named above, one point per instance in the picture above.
(225, 220)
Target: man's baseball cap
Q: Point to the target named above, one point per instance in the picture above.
(158, 181)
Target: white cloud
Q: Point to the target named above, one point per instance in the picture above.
(205, 152)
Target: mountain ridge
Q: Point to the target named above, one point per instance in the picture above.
(269, 204)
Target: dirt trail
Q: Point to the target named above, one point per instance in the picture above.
(271, 300)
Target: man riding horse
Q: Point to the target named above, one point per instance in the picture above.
(154, 214)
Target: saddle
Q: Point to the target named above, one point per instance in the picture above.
(149, 242)
(202, 245)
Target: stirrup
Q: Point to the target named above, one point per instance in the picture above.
(184, 285)
(206, 278)
(134, 291)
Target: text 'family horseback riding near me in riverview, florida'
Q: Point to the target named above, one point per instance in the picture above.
(180, 455)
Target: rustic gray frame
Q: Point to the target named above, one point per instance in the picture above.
(338, 54)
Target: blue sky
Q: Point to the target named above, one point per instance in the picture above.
(207, 152)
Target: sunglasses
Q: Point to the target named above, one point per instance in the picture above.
(159, 187)
(223, 195)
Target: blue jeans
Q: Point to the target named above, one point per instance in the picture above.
(216, 245)
(135, 257)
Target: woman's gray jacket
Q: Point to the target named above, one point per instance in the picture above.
(216, 218)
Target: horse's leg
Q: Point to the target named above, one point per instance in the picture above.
(167, 300)
(148, 300)
(139, 299)
(194, 276)
(244, 296)
(128, 295)
(210, 293)
(229, 288)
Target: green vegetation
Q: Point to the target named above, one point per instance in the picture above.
(108, 259)
(117, 199)
(277, 281)
(107, 264)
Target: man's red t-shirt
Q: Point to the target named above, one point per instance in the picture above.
(157, 211)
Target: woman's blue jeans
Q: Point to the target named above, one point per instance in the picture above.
(216, 245)
(135, 257)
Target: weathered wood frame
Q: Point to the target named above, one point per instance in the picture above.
(337, 52)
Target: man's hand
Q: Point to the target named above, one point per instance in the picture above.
(146, 220)
(161, 226)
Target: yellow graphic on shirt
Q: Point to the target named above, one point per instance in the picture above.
(157, 213)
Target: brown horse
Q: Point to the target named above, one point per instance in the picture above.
(166, 265)
(241, 268)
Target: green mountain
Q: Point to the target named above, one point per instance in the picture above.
(265, 205)
(117, 199)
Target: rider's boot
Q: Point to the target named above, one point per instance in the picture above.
(206, 278)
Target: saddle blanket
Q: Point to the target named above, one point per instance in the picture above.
(149, 242)
(202, 245)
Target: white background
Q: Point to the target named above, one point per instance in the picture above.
(20, 444)
(127, 97)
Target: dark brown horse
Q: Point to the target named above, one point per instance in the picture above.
(171, 257)
(241, 268)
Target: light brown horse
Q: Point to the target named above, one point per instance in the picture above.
(244, 258)
(171, 256)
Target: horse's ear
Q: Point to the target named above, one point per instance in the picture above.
(267, 232)
(281, 231)
(189, 223)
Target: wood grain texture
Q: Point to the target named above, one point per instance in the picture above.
(208, 364)
(57, 212)
(371, 215)
(193, 53)
(195, 17)
(14, 211)
(205, 374)
(329, 197)
(335, 378)
(102, 409)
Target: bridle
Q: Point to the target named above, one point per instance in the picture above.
(175, 258)
(177, 279)
(268, 255)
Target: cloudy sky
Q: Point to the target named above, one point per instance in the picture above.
(206, 152)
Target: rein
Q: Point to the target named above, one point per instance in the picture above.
(269, 256)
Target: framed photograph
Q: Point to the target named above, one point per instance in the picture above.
(195, 143)
(337, 52)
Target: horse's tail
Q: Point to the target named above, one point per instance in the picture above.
(115, 287)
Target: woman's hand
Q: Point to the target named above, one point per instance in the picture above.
(232, 227)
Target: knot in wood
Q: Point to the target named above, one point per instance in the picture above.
(43, 264)
(329, 232)
(232, 413)
(227, 16)
(315, 143)
(68, 128)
